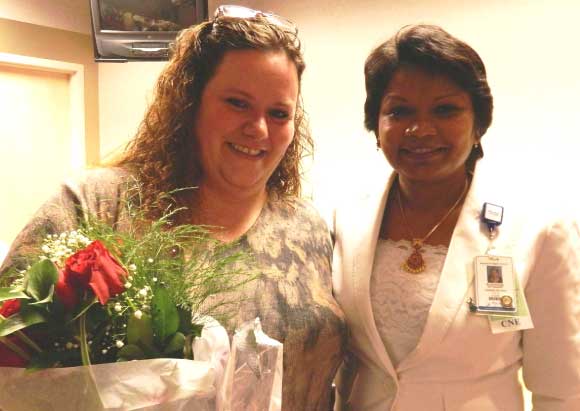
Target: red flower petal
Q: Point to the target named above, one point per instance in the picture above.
(10, 307)
(66, 292)
(107, 277)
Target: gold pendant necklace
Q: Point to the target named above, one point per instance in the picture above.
(415, 263)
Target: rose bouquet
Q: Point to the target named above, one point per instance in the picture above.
(93, 299)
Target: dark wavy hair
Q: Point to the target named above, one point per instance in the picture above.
(164, 155)
(432, 49)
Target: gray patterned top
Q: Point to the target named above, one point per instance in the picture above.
(292, 252)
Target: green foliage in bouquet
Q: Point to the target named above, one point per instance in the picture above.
(99, 295)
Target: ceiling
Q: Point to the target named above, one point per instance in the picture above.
(71, 15)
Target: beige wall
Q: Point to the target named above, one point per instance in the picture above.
(24, 39)
(124, 91)
(54, 44)
(35, 119)
(71, 15)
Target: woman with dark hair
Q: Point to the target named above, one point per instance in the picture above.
(428, 332)
(227, 120)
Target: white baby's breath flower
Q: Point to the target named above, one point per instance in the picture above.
(138, 314)
(132, 267)
(119, 344)
(149, 260)
(128, 284)
(45, 248)
(69, 345)
(154, 279)
(118, 308)
(143, 292)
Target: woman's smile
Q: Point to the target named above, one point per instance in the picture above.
(423, 153)
(252, 152)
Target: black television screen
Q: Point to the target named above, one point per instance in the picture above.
(125, 30)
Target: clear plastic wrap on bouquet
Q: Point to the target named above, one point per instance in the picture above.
(253, 375)
(247, 378)
(152, 385)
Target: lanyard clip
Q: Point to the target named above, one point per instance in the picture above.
(492, 216)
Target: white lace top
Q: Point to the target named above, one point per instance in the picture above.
(400, 300)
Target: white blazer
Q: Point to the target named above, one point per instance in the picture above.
(458, 364)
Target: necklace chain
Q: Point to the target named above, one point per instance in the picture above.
(415, 263)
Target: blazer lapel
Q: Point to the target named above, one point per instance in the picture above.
(366, 231)
(469, 240)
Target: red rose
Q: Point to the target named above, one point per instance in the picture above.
(10, 307)
(66, 292)
(93, 267)
(9, 358)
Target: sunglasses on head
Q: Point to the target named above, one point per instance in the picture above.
(242, 12)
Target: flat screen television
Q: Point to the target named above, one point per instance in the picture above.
(137, 30)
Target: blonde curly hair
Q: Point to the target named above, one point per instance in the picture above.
(163, 155)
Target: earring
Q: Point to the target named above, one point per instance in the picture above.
(476, 145)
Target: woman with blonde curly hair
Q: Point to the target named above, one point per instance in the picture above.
(226, 132)
(163, 153)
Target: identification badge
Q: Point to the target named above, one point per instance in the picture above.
(495, 285)
(498, 293)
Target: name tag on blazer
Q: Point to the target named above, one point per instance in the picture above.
(498, 295)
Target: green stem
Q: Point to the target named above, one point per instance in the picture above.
(28, 341)
(16, 349)
(85, 356)
(84, 310)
